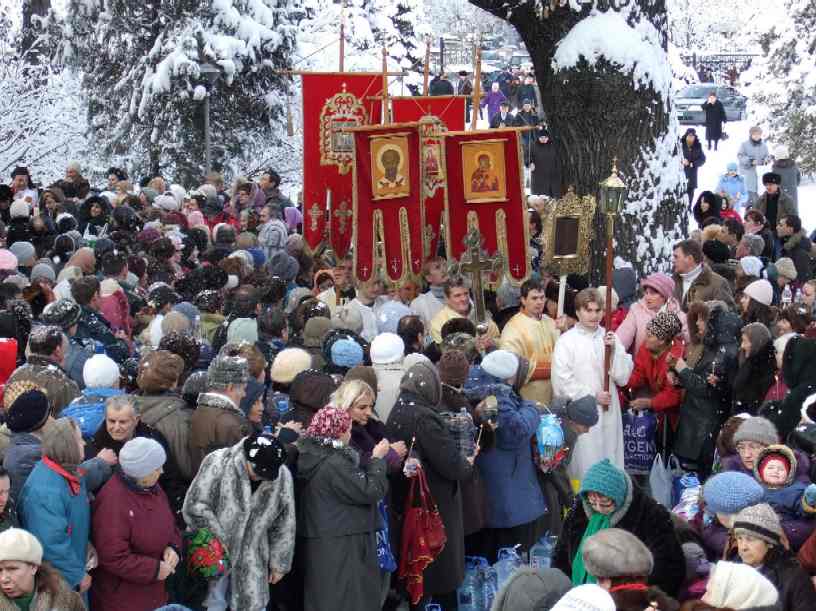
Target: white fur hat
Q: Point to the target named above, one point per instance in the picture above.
(501, 364)
(100, 371)
(387, 348)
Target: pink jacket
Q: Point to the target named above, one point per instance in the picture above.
(116, 311)
(632, 331)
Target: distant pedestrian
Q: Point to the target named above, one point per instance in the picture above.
(693, 158)
(715, 118)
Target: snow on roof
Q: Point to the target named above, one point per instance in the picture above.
(607, 35)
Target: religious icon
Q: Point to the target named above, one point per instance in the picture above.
(342, 142)
(389, 167)
(483, 171)
(432, 160)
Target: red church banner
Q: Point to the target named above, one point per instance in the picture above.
(449, 109)
(387, 200)
(486, 190)
(333, 102)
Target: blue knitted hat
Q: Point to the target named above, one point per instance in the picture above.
(731, 491)
(346, 353)
(605, 478)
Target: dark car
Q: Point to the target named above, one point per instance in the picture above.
(689, 101)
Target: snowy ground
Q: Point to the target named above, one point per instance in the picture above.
(716, 161)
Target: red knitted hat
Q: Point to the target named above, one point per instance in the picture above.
(329, 423)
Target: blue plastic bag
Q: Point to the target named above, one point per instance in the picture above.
(639, 447)
(384, 554)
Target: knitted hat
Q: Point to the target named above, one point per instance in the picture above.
(665, 326)
(184, 345)
(346, 353)
(166, 202)
(752, 265)
(761, 291)
(63, 313)
(605, 478)
(660, 282)
(21, 546)
(189, 310)
(760, 521)
(586, 597)
(786, 268)
(738, 586)
(757, 429)
(364, 373)
(583, 411)
(387, 348)
(315, 330)
(453, 368)
(150, 194)
(347, 318)
(531, 589)
(265, 454)
(7, 260)
(776, 452)
(194, 385)
(141, 456)
(716, 251)
(243, 330)
(731, 166)
(616, 553)
(24, 251)
(412, 359)
(771, 178)
(283, 265)
(758, 334)
(226, 370)
(311, 389)
(501, 364)
(43, 270)
(19, 209)
(100, 371)
(29, 412)
(288, 363)
(697, 564)
(389, 315)
(14, 389)
(329, 423)
(730, 492)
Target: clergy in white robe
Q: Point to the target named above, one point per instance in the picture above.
(577, 370)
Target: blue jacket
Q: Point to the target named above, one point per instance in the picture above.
(60, 520)
(24, 451)
(514, 495)
(89, 409)
(787, 502)
(735, 189)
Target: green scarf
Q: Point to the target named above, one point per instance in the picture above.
(597, 523)
(24, 602)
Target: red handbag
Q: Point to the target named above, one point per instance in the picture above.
(423, 536)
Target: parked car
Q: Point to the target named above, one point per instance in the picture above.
(690, 99)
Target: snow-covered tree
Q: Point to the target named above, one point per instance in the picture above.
(605, 84)
(141, 75)
(706, 26)
(782, 87)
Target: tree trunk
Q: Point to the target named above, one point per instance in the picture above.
(32, 8)
(597, 112)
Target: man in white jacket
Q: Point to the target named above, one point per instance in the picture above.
(272, 233)
(577, 370)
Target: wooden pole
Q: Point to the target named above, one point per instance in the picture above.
(427, 73)
(343, 36)
(477, 85)
(385, 113)
(610, 230)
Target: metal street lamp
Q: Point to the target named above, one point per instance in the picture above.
(613, 194)
(210, 73)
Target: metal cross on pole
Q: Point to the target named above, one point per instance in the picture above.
(475, 262)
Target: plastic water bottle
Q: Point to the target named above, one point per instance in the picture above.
(490, 585)
(469, 595)
(787, 295)
(434, 607)
(540, 554)
(508, 562)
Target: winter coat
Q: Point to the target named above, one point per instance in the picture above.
(52, 593)
(732, 462)
(18, 230)
(51, 378)
(93, 325)
(641, 516)
(715, 117)
(60, 519)
(116, 311)
(24, 451)
(632, 331)
(272, 237)
(784, 206)
(734, 190)
(168, 414)
(753, 378)
(89, 410)
(705, 406)
(750, 155)
(701, 217)
(696, 157)
(498, 120)
(798, 248)
(337, 519)
(257, 529)
(650, 374)
(546, 176)
(365, 437)
(791, 177)
(795, 588)
(708, 286)
(389, 377)
(508, 470)
(492, 100)
(417, 415)
(216, 423)
(131, 529)
(172, 482)
(441, 87)
(79, 351)
(74, 189)
(209, 323)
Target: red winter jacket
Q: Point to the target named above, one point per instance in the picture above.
(730, 213)
(650, 374)
(131, 530)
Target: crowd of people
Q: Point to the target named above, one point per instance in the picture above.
(197, 411)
